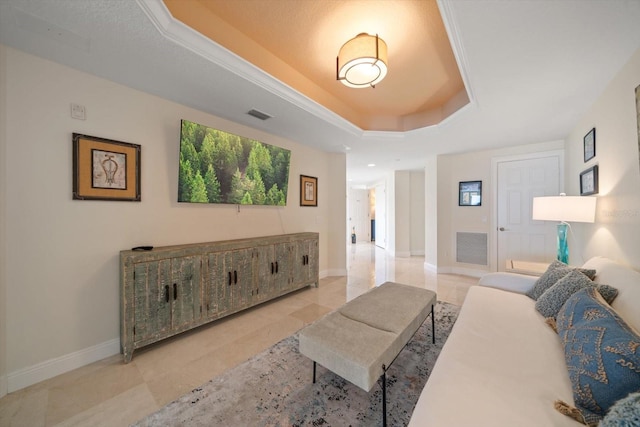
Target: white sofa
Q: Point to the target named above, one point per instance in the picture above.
(503, 365)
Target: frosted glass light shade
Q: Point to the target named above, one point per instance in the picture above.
(564, 208)
(362, 61)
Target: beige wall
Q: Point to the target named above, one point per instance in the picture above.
(417, 206)
(616, 232)
(473, 166)
(406, 213)
(3, 245)
(431, 217)
(61, 275)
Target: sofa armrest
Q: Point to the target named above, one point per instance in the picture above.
(512, 282)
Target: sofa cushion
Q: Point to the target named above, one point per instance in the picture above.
(554, 298)
(500, 366)
(512, 282)
(556, 271)
(626, 281)
(392, 307)
(601, 351)
(353, 350)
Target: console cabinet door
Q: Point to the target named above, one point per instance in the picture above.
(228, 282)
(283, 276)
(217, 292)
(306, 262)
(152, 306)
(274, 271)
(264, 270)
(185, 291)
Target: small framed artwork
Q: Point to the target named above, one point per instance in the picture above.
(589, 181)
(470, 193)
(104, 169)
(589, 143)
(308, 190)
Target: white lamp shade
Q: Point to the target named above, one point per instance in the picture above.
(564, 208)
(362, 61)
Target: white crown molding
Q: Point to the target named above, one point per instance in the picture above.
(187, 37)
(450, 23)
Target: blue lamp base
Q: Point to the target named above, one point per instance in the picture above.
(563, 244)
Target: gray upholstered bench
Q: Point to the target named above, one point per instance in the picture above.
(362, 338)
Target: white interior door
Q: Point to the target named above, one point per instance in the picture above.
(359, 215)
(381, 216)
(519, 181)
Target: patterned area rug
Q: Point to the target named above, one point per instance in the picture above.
(274, 388)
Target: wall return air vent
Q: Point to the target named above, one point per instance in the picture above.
(258, 114)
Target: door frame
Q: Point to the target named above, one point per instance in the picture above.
(493, 235)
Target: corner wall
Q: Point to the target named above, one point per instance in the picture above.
(472, 166)
(3, 242)
(616, 232)
(61, 276)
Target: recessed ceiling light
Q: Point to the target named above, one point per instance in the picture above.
(371, 165)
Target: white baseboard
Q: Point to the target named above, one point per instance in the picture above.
(402, 254)
(431, 267)
(3, 386)
(417, 253)
(463, 271)
(334, 272)
(42, 371)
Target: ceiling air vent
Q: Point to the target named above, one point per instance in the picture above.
(258, 114)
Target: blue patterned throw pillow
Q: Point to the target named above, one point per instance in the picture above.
(602, 354)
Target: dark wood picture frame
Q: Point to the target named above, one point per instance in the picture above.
(589, 145)
(308, 190)
(470, 193)
(589, 181)
(104, 169)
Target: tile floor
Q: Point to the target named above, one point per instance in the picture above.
(110, 393)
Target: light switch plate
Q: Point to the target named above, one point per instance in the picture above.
(78, 112)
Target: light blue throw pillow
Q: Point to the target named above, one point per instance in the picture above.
(602, 354)
(552, 300)
(624, 413)
(556, 271)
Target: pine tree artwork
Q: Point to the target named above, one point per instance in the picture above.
(220, 167)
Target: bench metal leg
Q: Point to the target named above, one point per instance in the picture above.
(314, 371)
(384, 396)
(433, 326)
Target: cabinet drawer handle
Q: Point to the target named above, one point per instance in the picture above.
(235, 276)
(229, 278)
(166, 293)
(276, 267)
(175, 291)
(271, 268)
(307, 257)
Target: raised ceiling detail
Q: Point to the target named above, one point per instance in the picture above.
(296, 42)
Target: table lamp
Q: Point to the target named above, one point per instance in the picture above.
(565, 209)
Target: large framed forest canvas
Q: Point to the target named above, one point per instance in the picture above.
(220, 167)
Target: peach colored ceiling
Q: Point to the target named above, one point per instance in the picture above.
(297, 42)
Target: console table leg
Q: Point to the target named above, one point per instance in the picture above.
(314, 371)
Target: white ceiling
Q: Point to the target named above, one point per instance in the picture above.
(532, 69)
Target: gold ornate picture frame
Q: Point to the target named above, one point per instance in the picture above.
(104, 169)
(308, 190)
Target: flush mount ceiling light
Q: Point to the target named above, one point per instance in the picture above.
(362, 61)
